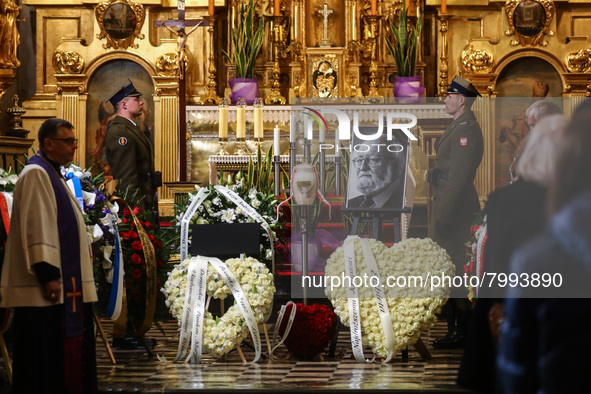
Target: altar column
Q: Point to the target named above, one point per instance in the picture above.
(71, 100)
(166, 110)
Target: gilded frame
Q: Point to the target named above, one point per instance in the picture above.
(511, 6)
(120, 22)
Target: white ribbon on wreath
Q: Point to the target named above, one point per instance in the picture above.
(194, 308)
(353, 300)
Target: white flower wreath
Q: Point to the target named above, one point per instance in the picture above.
(410, 316)
(220, 335)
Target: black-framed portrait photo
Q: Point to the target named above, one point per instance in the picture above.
(377, 170)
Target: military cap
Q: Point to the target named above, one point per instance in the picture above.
(125, 91)
(460, 86)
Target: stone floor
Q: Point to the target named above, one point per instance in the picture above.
(134, 371)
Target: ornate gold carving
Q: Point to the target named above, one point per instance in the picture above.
(325, 76)
(579, 62)
(529, 21)
(275, 97)
(167, 66)
(477, 60)
(68, 62)
(120, 22)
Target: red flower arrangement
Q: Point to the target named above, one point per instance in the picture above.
(475, 254)
(313, 328)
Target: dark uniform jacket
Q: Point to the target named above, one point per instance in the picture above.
(455, 199)
(130, 154)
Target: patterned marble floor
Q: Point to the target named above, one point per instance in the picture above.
(134, 371)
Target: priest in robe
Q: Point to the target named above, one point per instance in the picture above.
(47, 275)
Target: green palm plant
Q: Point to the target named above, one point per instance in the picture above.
(246, 41)
(405, 43)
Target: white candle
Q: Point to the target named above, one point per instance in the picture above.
(295, 22)
(241, 122)
(336, 141)
(292, 127)
(258, 119)
(223, 122)
(322, 135)
(276, 140)
(353, 20)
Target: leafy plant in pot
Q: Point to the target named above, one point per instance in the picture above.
(403, 46)
(246, 44)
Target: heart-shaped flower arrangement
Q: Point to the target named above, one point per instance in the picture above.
(312, 329)
(411, 311)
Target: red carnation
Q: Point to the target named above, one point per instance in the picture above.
(136, 259)
(157, 243)
(136, 245)
(136, 273)
(132, 234)
(124, 221)
(126, 212)
(137, 211)
(123, 234)
(148, 225)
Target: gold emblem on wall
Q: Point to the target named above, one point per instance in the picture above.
(529, 21)
(68, 62)
(324, 78)
(168, 66)
(477, 60)
(120, 22)
(579, 62)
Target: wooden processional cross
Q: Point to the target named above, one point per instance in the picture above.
(181, 23)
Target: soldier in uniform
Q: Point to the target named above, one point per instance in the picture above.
(455, 200)
(128, 149)
(130, 155)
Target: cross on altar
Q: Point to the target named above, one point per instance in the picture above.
(73, 294)
(325, 12)
(180, 24)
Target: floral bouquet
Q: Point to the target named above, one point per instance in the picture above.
(475, 253)
(216, 208)
(104, 221)
(311, 331)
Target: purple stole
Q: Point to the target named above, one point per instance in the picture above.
(71, 275)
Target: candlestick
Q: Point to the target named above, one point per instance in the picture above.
(444, 6)
(292, 127)
(211, 96)
(374, 7)
(276, 141)
(223, 119)
(241, 119)
(276, 7)
(211, 7)
(322, 136)
(258, 118)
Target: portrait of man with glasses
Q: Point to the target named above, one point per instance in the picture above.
(377, 171)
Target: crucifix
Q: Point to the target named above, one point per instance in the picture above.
(181, 23)
(74, 294)
(325, 12)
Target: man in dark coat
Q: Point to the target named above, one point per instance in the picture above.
(128, 150)
(455, 200)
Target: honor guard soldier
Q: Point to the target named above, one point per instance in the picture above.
(455, 200)
(129, 152)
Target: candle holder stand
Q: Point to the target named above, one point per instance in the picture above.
(211, 96)
(443, 69)
(373, 21)
(275, 97)
(222, 149)
(277, 173)
(241, 148)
